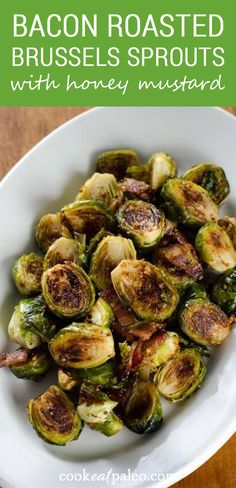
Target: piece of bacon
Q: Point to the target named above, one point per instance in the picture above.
(15, 357)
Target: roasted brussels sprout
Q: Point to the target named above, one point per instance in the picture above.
(50, 228)
(160, 167)
(204, 322)
(30, 323)
(177, 257)
(95, 241)
(102, 187)
(224, 292)
(101, 313)
(94, 406)
(138, 190)
(229, 225)
(68, 290)
(35, 367)
(109, 253)
(143, 410)
(196, 290)
(27, 272)
(189, 203)
(117, 162)
(54, 417)
(63, 250)
(104, 375)
(82, 346)
(141, 221)
(138, 173)
(212, 178)
(215, 248)
(88, 217)
(145, 289)
(112, 426)
(180, 377)
(66, 381)
(160, 348)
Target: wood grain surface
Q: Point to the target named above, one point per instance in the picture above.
(20, 129)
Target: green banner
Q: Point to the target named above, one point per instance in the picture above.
(134, 52)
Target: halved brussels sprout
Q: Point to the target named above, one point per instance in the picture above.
(145, 289)
(88, 217)
(180, 377)
(229, 225)
(63, 250)
(215, 248)
(54, 417)
(30, 323)
(110, 251)
(112, 426)
(68, 290)
(224, 292)
(160, 168)
(82, 346)
(102, 187)
(178, 258)
(35, 367)
(103, 375)
(138, 173)
(137, 189)
(66, 381)
(117, 162)
(212, 178)
(50, 228)
(196, 290)
(204, 322)
(92, 246)
(27, 272)
(143, 410)
(141, 221)
(160, 348)
(100, 314)
(188, 202)
(94, 406)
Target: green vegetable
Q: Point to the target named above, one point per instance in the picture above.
(88, 217)
(224, 292)
(117, 162)
(145, 289)
(50, 228)
(180, 377)
(101, 313)
(101, 187)
(189, 203)
(160, 168)
(215, 248)
(68, 290)
(35, 367)
(110, 251)
(54, 417)
(103, 375)
(141, 221)
(143, 410)
(27, 272)
(229, 225)
(82, 346)
(30, 323)
(63, 250)
(178, 258)
(204, 322)
(65, 380)
(212, 178)
(94, 406)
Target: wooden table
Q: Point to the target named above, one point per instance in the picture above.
(20, 129)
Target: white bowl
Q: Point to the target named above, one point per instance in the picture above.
(45, 179)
